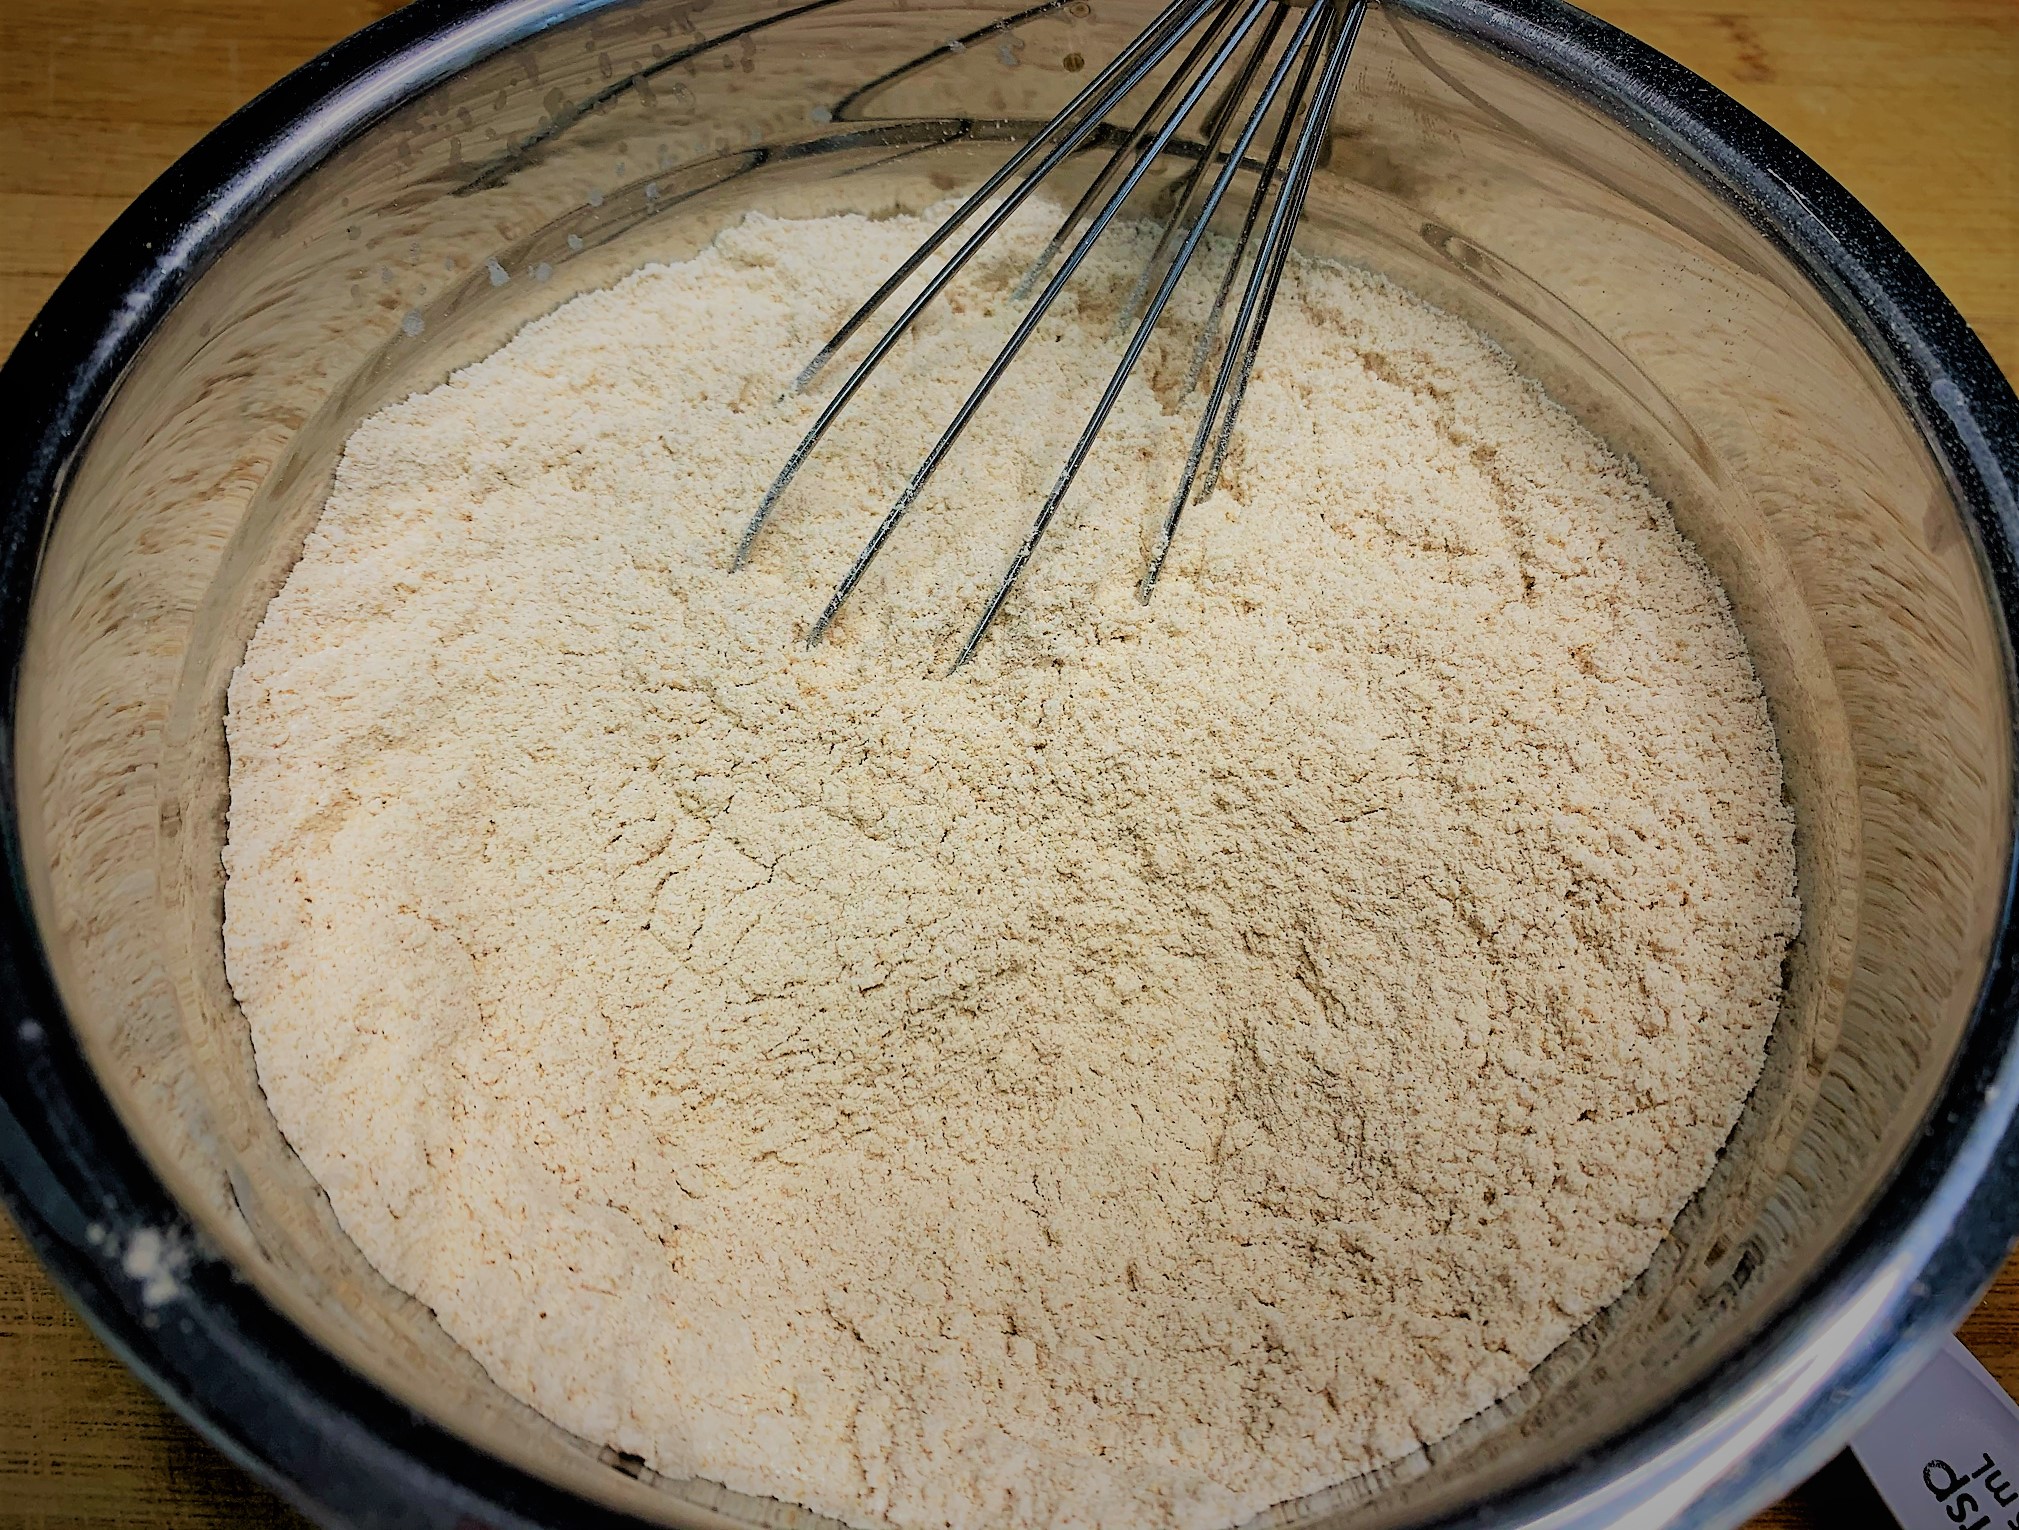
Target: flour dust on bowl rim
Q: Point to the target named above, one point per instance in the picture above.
(1834, 440)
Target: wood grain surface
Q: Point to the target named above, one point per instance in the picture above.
(1914, 107)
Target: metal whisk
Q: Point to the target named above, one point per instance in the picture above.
(1233, 43)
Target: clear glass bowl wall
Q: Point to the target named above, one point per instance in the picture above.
(1642, 300)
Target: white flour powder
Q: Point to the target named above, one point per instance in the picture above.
(1193, 1055)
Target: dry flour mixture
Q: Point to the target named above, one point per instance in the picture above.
(1192, 1055)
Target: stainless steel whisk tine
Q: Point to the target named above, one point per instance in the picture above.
(1209, 328)
(1218, 120)
(1244, 340)
(1298, 185)
(1027, 325)
(1157, 39)
(1133, 143)
(1318, 14)
(1106, 91)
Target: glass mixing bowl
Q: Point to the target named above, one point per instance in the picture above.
(1832, 436)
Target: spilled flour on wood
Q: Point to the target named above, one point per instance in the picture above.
(1189, 1057)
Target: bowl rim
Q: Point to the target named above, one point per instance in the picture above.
(344, 1451)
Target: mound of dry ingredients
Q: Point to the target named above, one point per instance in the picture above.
(1187, 1058)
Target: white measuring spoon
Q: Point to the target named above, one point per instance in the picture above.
(1944, 1454)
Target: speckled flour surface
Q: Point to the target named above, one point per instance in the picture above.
(1190, 1056)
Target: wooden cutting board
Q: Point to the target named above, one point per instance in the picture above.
(1915, 107)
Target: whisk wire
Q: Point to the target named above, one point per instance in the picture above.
(1327, 33)
(1134, 143)
(1028, 324)
(1244, 339)
(1133, 146)
(1209, 329)
(1105, 93)
(1135, 62)
(1218, 120)
(1298, 186)
(1315, 17)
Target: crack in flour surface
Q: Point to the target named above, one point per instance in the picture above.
(1194, 1054)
